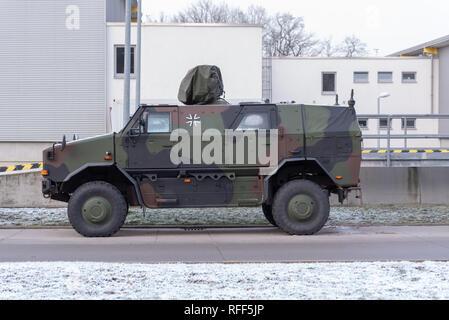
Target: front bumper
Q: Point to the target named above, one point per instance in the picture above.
(48, 187)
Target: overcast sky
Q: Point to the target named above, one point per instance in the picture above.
(387, 25)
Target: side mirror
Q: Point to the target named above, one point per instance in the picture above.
(134, 132)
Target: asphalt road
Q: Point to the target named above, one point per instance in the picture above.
(228, 245)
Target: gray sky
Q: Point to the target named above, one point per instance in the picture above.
(387, 25)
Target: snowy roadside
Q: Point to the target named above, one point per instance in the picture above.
(341, 281)
(379, 215)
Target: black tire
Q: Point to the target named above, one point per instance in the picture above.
(97, 209)
(301, 207)
(267, 211)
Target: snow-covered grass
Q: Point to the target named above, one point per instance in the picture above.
(84, 280)
(378, 215)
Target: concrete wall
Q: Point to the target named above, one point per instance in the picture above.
(12, 153)
(300, 79)
(170, 50)
(412, 186)
(24, 191)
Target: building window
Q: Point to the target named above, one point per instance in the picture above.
(361, 77)
(363, 123)
(383, 123)
(408, 77)
(411, 123)
(254, 121)
(119, 60)
(385, 77)
(329, 79)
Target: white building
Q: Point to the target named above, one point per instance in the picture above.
(61, 69)
(170, 50)
(410, 81)
(438, 51)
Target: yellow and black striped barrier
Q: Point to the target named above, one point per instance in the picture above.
(38, 165)
(21, 167)
(375, 151)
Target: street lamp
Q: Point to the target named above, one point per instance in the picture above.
(381, 96)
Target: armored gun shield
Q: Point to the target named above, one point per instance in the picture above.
(201, 85)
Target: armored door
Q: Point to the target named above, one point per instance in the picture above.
(151, 147)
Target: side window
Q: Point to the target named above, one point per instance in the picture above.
(254, 121)
(158, 122)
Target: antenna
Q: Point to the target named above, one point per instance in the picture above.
(351, 101)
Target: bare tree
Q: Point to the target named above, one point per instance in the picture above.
(326, 48)
(287, 37)
(353, 47)
(257, 15)
(237, 16)
(283, 33)
(204, 11)
(162, 18)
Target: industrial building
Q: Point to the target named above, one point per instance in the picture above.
(411, 82)
(53, 70)
(62, 73)
(170, 50)
(62, 69)
(438, 51)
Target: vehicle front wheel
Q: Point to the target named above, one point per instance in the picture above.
(300, 207)
(97, 209)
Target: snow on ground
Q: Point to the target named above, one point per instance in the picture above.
(341, 281)
(379, 215)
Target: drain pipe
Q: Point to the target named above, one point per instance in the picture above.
(126, 89)
(138, 51)
(432, 85)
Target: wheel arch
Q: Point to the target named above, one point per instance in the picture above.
(110, 173)
(298, 168)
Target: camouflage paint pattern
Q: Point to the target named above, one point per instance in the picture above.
(329, 135)
(76, 154)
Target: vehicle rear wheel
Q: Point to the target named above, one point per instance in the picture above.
(300, 207)
(268, 213)
(97, 209)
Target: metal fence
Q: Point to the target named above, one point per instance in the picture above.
(405, 135)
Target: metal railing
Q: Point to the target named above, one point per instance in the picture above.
(406, 136)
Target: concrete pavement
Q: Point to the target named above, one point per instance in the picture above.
(228, 245)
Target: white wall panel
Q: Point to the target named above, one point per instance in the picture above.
(52, 69)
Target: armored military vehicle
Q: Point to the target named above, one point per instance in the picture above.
(286, 158)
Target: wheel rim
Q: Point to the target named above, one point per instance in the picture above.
(97, 210)
(301, 207)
